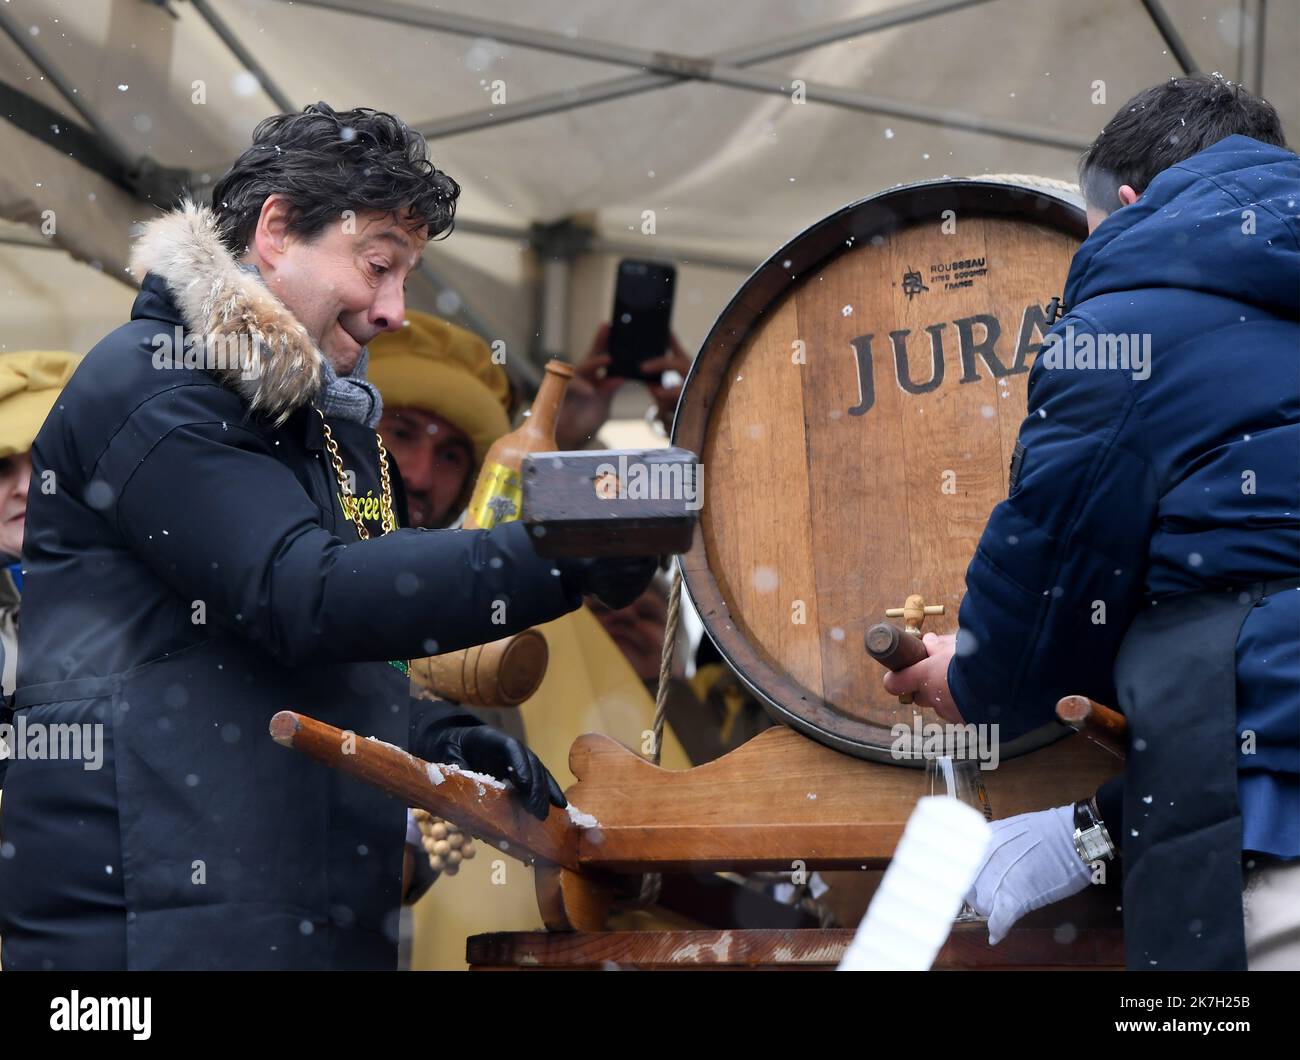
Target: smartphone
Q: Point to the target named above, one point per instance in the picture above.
(643, 304)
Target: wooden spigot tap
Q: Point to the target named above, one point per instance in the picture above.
(892, 650)
(913, 613)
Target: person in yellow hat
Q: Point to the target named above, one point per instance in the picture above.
(30, 383)
(445, 403)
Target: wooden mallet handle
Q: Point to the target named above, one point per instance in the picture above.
(494, 814)
(893, 648)
(1080, 712)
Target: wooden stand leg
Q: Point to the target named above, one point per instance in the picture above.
(569, 901)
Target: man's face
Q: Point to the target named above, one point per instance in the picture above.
(435, 459)
(346, 285)
(15, 476)
(637, 629)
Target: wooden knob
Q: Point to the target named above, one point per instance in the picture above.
(894, 649)
(1080, 712)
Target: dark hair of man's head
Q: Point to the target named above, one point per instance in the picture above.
(325, 163)
(1163, 125)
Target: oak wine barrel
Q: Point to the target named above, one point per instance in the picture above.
(855, 408)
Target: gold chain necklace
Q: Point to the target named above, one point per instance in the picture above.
(388, 520)
(444, 844)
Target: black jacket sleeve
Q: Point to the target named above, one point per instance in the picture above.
(209, 509)
(430, 718)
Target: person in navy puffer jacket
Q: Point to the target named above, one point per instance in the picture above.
(1148, 553)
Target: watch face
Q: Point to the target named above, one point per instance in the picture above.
(1092, 843)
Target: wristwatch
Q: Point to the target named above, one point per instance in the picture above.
(1091, 839)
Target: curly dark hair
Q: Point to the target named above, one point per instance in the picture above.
(326, 162)
(1167, 124)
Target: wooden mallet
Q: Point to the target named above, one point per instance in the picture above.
(897, 649)
(1106, 726)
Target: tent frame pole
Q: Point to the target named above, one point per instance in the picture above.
(111, 144)
(1165, 27)
(619, 87)
(685, 67)
(237, 48)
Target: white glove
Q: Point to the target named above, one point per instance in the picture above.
(1031, 862)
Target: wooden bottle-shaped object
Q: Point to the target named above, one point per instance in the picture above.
(500, 489)
(505, 672)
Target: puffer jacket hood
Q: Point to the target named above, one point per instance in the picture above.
(224, 304)
(1224, 222)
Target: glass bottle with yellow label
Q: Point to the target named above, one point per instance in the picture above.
(500, 489)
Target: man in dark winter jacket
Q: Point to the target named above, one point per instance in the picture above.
(219, 544)
(1148, 554)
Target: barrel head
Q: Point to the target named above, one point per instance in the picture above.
(856, 407)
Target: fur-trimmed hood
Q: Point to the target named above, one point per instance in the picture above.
(222, 302)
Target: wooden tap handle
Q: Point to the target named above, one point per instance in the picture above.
(913, 611)
(893, 648)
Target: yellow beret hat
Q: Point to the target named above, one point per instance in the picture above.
(30, 383)
(436, 366)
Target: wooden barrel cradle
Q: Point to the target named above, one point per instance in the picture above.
(855, 408)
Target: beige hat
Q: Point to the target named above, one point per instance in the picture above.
(30, 383)
(443, 369)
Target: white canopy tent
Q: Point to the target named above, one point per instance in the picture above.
(581, 130)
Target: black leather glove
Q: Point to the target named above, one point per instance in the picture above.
(616, 581)
(483, 749)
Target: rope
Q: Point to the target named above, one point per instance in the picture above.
(1030, 180)
(652, 881)
(1062, 188)
(666, 662)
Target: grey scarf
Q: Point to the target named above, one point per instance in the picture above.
(348, 397)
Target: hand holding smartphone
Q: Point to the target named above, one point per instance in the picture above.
(643, 305)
